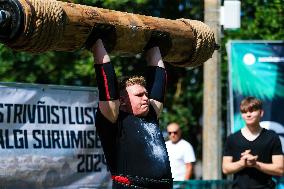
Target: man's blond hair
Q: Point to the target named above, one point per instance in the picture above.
(126, 82)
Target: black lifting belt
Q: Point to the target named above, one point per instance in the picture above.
(135, 182)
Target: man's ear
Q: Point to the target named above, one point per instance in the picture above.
(261, 113)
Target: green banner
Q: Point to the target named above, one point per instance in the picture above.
(256, 68)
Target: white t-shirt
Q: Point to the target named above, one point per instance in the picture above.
(179, 154)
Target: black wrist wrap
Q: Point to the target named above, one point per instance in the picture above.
(107, 82)
(105, 32)
(160, 39)
(156, 78)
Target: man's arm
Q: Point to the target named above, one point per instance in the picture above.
(156, 78)
(247, 160)
(276, 168)
(188, 171)
(107, 82)
(188, 158)
(230, 167)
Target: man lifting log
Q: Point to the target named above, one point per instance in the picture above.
(127, 121)
(127, 118)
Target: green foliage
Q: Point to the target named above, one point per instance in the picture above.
(262, 22)
(46, 68)
(121, 5)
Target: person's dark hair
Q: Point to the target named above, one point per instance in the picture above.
(250, 104)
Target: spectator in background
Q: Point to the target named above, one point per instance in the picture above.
(253, 154)
(181, 154)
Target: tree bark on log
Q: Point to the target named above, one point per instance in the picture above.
(50, 25)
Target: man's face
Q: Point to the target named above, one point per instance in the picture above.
(252, 118)
(174, 132)
(137, 101)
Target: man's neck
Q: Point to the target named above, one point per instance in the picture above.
(130, 112)
(251, 133)
(176, 141)
(253, 129)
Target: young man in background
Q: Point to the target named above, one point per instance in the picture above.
(253, 154)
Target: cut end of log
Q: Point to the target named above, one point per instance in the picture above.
(205, 44)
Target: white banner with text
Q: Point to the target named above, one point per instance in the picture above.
(48, 138)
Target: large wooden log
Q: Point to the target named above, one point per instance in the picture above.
(45, 25)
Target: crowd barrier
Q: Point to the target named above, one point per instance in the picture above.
(215, 184)
(203, 184)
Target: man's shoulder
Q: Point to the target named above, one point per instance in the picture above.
(235, 134)
(184, 142)
(267, 133)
